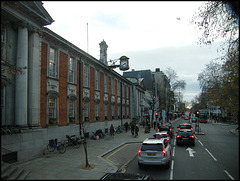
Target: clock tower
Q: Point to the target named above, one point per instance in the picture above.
(103, 52)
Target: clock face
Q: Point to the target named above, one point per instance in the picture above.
(124, 64)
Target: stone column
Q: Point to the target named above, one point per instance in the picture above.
(34, 73)
(21, 79)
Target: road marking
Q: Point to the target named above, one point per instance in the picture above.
(191, 151)
(228, 175)
(210, 154)
(171, 171)
(173, 153)
(113, 154)
(200, 142)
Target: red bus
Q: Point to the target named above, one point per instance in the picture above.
(203, 115)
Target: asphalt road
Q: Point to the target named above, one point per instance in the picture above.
(214, 156)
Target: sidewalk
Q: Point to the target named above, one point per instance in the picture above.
(71, 164)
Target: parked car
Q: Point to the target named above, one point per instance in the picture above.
(154, 152)
(185, 136)
(163, 135)
(168, 128)
(185, 126)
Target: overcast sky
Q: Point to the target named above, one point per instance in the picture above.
(153, 34)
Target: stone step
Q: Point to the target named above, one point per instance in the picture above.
(12, 172)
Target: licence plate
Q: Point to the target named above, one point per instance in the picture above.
(185, 138)
(151, 154)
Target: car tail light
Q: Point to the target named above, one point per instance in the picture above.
(192, 136)
(165, 153)
(178, 136)
(158, 129)
(139, 151)
(191, 128)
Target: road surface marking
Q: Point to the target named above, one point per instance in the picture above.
(171, 171)
(210, 154)
(173, 153)
(200, 142)
(229, 175)
(114, 153)
(191, 151)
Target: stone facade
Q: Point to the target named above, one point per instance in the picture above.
(61, 87)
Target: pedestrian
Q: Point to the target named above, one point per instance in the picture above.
(126, 126)
(112, 130)
(136, 131)
(132, 129)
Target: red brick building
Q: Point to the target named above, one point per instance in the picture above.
(61, 87)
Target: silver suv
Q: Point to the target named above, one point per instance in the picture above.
(154, 152)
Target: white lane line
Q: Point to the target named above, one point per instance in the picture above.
(173, 153)
(228, 175)
(200, 142)
(171, 171)
(210, 154)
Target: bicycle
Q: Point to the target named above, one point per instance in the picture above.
(53, 144)
(72, 141)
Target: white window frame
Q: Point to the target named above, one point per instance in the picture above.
(105, 83)
(55, 112)
(53, 64)
(72, 70)
(97, 80)
(71, 110)
(86, 75)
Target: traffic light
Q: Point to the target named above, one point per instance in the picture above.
(156, 115)
(197, 114)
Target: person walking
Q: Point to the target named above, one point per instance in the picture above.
(126, 126)
(136, 131)
(112, 130)
(132, 129)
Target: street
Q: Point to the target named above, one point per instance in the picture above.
(214, 156)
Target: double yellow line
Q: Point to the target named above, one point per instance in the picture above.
(107, 158)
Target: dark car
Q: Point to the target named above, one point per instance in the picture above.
(194, 120)
(168, 128)
(125, 176)
(184, 126)
(185, 136)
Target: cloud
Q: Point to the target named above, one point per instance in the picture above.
(187, 61)
(110, 20)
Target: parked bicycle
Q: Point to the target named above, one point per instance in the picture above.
(73, 141)
(53, 144)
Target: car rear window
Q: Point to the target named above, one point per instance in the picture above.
(185, 133)
(154, 147)
(164, 128)
(161, 136)
(185, 126)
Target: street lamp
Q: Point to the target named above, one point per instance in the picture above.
(124, 63)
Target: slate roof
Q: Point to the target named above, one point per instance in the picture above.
(145, 74)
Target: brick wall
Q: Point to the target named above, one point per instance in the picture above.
(92, 95)
(101, 96)
(109, 99)
(43, 95)
(63, 78)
